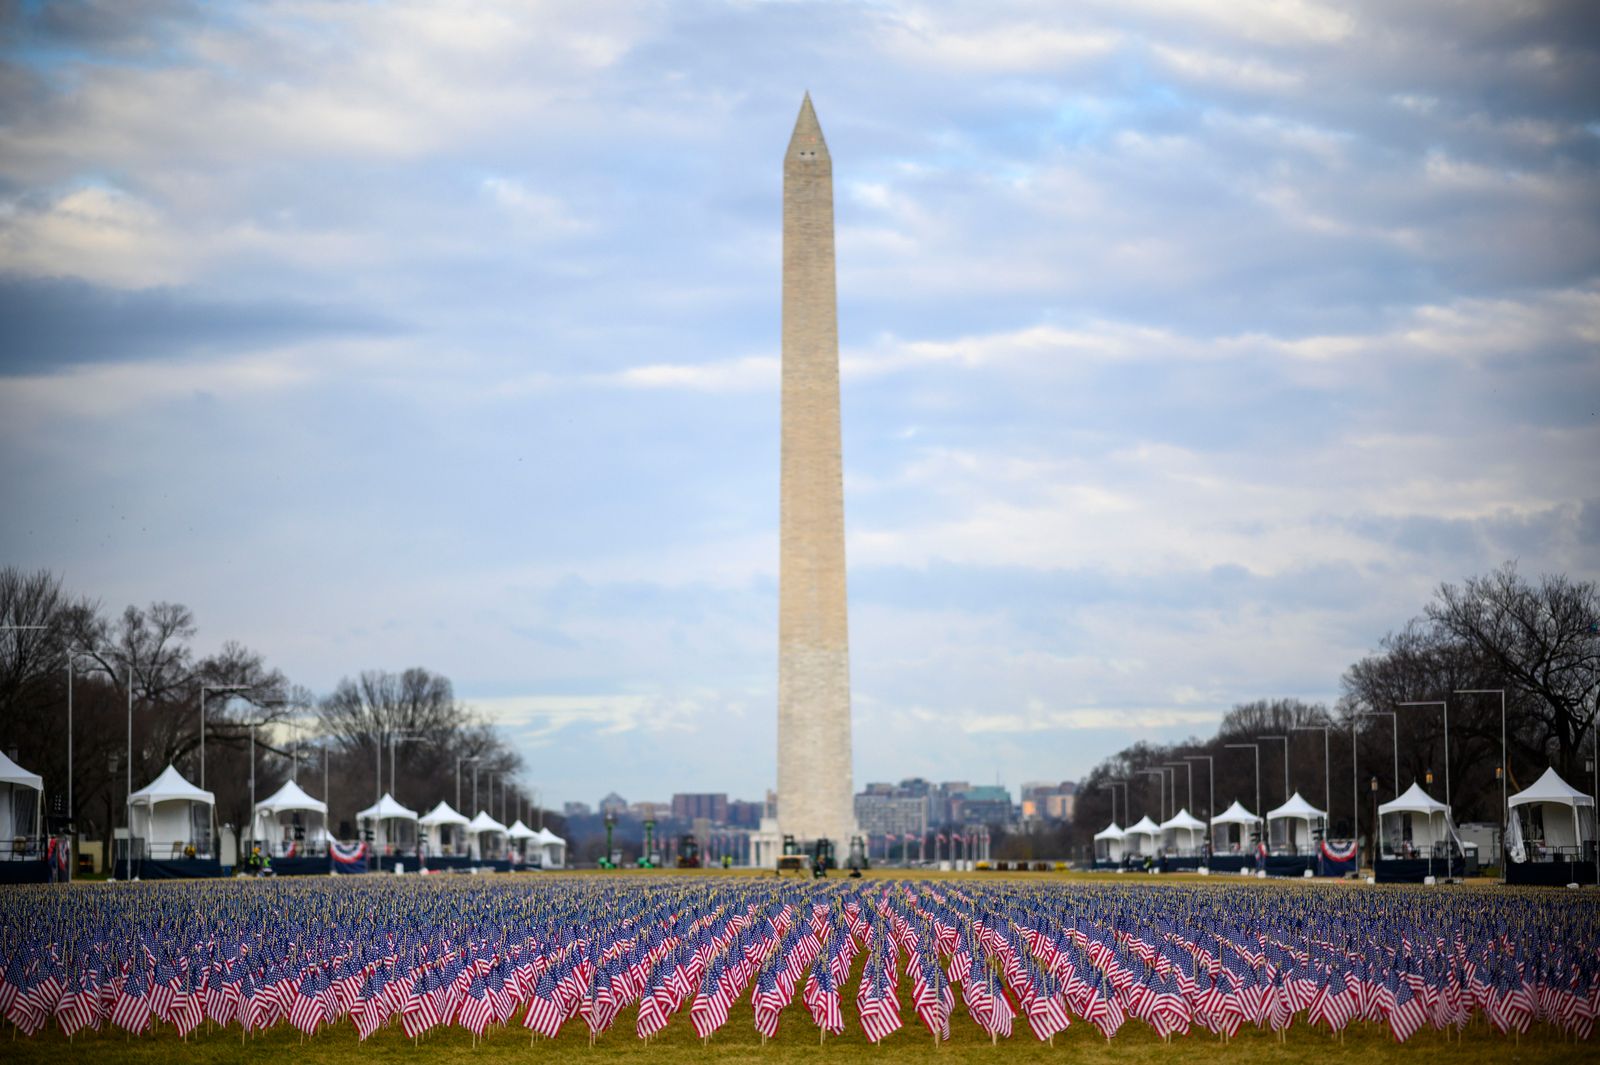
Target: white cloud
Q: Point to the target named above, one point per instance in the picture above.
(751, 373)
(540, 717)
(545, 215)
(1239, 73)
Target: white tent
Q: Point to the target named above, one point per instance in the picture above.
(1235, 823)
(1292, 825)
(485, 826)
(552, 849)
(1414, 822)
(441, 818)
(171, 814)
(388, 816)
(21, 797)
(520, 833)
(1141, 836)
(1183, 833)
(1554, 815)
(279, 819)
(1108, 843)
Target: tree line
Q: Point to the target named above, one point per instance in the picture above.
(1537, 641)
(58, 650)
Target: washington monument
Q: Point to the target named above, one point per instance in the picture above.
(814, 776)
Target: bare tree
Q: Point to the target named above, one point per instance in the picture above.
(362, 716)
(1543, 641)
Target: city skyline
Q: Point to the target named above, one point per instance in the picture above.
(1185, 350)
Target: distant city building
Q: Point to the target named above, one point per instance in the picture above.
(878, 814)
(712, 806)
(1048, 801)
(915, 787)
(576, 809)
(986, 804)
(614, 804)
(742, 814)
(650, 811)
(943, 798)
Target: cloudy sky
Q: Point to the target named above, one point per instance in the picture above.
(1187, 346)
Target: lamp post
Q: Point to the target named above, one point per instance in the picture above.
(1375, 831)
(1503, 772)
(1327, 779)
(1186, 767)
(204, 688)
(253, 726)
(1445, 706)
(1127, 811)
(1211, 783)
(1355, 772)
(1256, 747)
(1108, 785)
(396, 738)
(459, 760)
(1162, 777)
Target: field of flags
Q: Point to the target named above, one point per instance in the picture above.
(624, 958)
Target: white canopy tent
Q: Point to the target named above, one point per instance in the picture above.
(1183, 833)
(1236, 823)
(21, 802)
(170, 815)
(520, 835)
(1554, 816)
(1141, 837)
(1108, 843)
(441, 818)
(1292, 826)
(1413, 824)
(279, 822)
(388, 818)
(485, 826)
(552, 850)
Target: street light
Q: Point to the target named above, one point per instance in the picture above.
(1186, 767)
(1127, 812)
(459, 760)
(394, 739)
(1375, 827)
(1446, 707)
(1256, 747)
(211, 688)
(1211, 782)
(253, 726)
(1327, 778)
(1285, 740)
(1355, 774)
